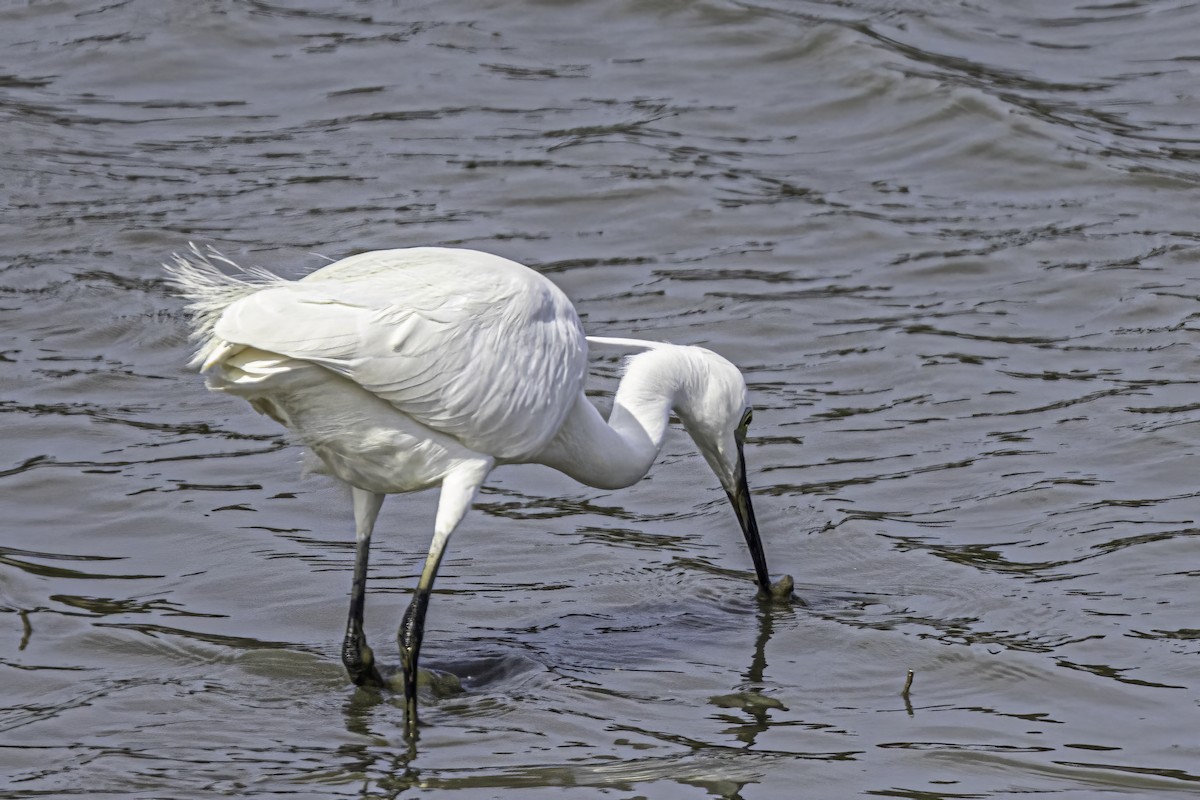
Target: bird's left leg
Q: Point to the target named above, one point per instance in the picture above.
(458, 490)
(357, 656)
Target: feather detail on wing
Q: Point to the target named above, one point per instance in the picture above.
(468, 344)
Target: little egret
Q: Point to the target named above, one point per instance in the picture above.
(407, 369)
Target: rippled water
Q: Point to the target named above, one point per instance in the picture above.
(953, 246)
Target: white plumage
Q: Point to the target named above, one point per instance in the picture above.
(406, 369)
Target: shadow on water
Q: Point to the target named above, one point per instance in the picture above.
(390, 766)
(21, 559)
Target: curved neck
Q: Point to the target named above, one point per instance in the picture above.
(619, 452)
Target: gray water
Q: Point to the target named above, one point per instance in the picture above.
(952, 245)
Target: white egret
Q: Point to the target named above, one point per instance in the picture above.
(407, 369)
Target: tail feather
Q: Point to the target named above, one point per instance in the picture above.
(197, 277)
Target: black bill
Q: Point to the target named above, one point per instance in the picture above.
(740, 499)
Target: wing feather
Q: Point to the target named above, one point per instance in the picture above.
(466, 343)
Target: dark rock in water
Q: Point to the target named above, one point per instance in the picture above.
(782, 588)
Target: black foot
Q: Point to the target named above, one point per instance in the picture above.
(359, 661)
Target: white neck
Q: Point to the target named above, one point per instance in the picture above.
(619, 452)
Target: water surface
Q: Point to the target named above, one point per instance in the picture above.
(953, 247)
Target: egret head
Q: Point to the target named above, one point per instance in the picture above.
(717, 414)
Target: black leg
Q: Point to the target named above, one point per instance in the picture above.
(412, 633)
(458, 490)
(357, 655)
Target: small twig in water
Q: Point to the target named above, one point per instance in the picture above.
(27, 629)
(907, 684)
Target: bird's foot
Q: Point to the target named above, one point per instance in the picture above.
(359, 660)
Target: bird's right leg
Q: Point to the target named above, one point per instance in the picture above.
(458, 490)
(356, 653)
